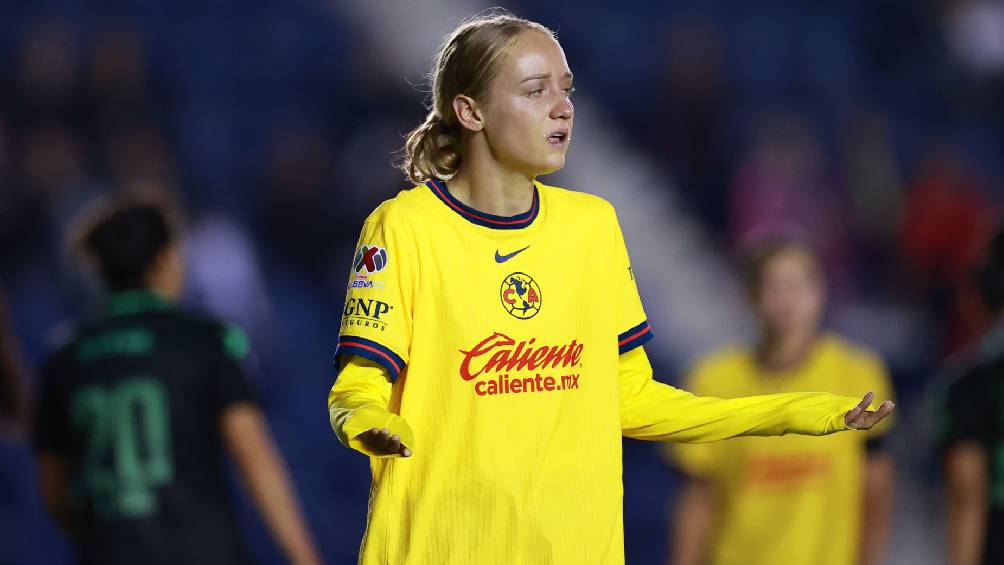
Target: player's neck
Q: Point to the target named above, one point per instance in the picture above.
(166, 278)
(489, 189)
(164, 286)
(785, 352)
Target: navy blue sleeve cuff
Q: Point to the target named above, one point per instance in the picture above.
(369, 349)
(634, 337)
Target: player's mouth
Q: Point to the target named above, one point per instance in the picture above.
(559, 137)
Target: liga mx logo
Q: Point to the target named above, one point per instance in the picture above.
(520, 296)
(371, 259)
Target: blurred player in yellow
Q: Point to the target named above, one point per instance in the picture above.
(751, 501)
(490, 357)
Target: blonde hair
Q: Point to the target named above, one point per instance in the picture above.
(466, 63)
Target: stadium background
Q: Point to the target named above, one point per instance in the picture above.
(873, 126)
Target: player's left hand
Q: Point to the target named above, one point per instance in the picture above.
(861, 418)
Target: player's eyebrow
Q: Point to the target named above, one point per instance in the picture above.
(543, 76)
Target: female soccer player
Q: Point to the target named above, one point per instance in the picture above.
(829, 499)
(490, 357)
(136, 410)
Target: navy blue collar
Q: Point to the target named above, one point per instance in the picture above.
(438, 187)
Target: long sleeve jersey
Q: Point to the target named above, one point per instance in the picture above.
(505, 352)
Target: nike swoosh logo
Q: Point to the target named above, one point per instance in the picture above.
(504, 258)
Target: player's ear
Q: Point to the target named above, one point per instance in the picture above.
(469, 114)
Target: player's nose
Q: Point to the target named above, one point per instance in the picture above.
(563, 109)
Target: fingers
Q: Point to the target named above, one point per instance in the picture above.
(877, 416)
(865, 419)
(382, 442)
(865, 402)
(855, 413)
(885, 409)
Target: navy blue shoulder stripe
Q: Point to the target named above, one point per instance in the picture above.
(634, 337)
(438, 187)
(369, 349)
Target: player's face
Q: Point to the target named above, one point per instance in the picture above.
(791, 294)
(528, 111)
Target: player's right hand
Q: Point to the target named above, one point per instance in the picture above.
(381, 442)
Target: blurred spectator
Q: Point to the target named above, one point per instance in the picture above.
(137, 153)
(12, 384)
(876, 194)
(47, 87)
(118, 84)
(783, 185)
(946, 219)
(54, 163)
(685, 122)
(749, 501)
(300, 212)
(21, 208)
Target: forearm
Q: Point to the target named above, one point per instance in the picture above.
(358, 402)
(661, 412)
(876, 508)
(274, 498)
(693, 524)
(269, 483)
(652, 410)
(966, 491)
(966, 525)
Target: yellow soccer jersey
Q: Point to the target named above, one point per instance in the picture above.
(793, 499)
(511, 367)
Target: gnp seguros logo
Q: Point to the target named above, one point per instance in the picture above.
(366, 312)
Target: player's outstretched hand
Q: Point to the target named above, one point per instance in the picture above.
(861, 418)
(381, 442)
